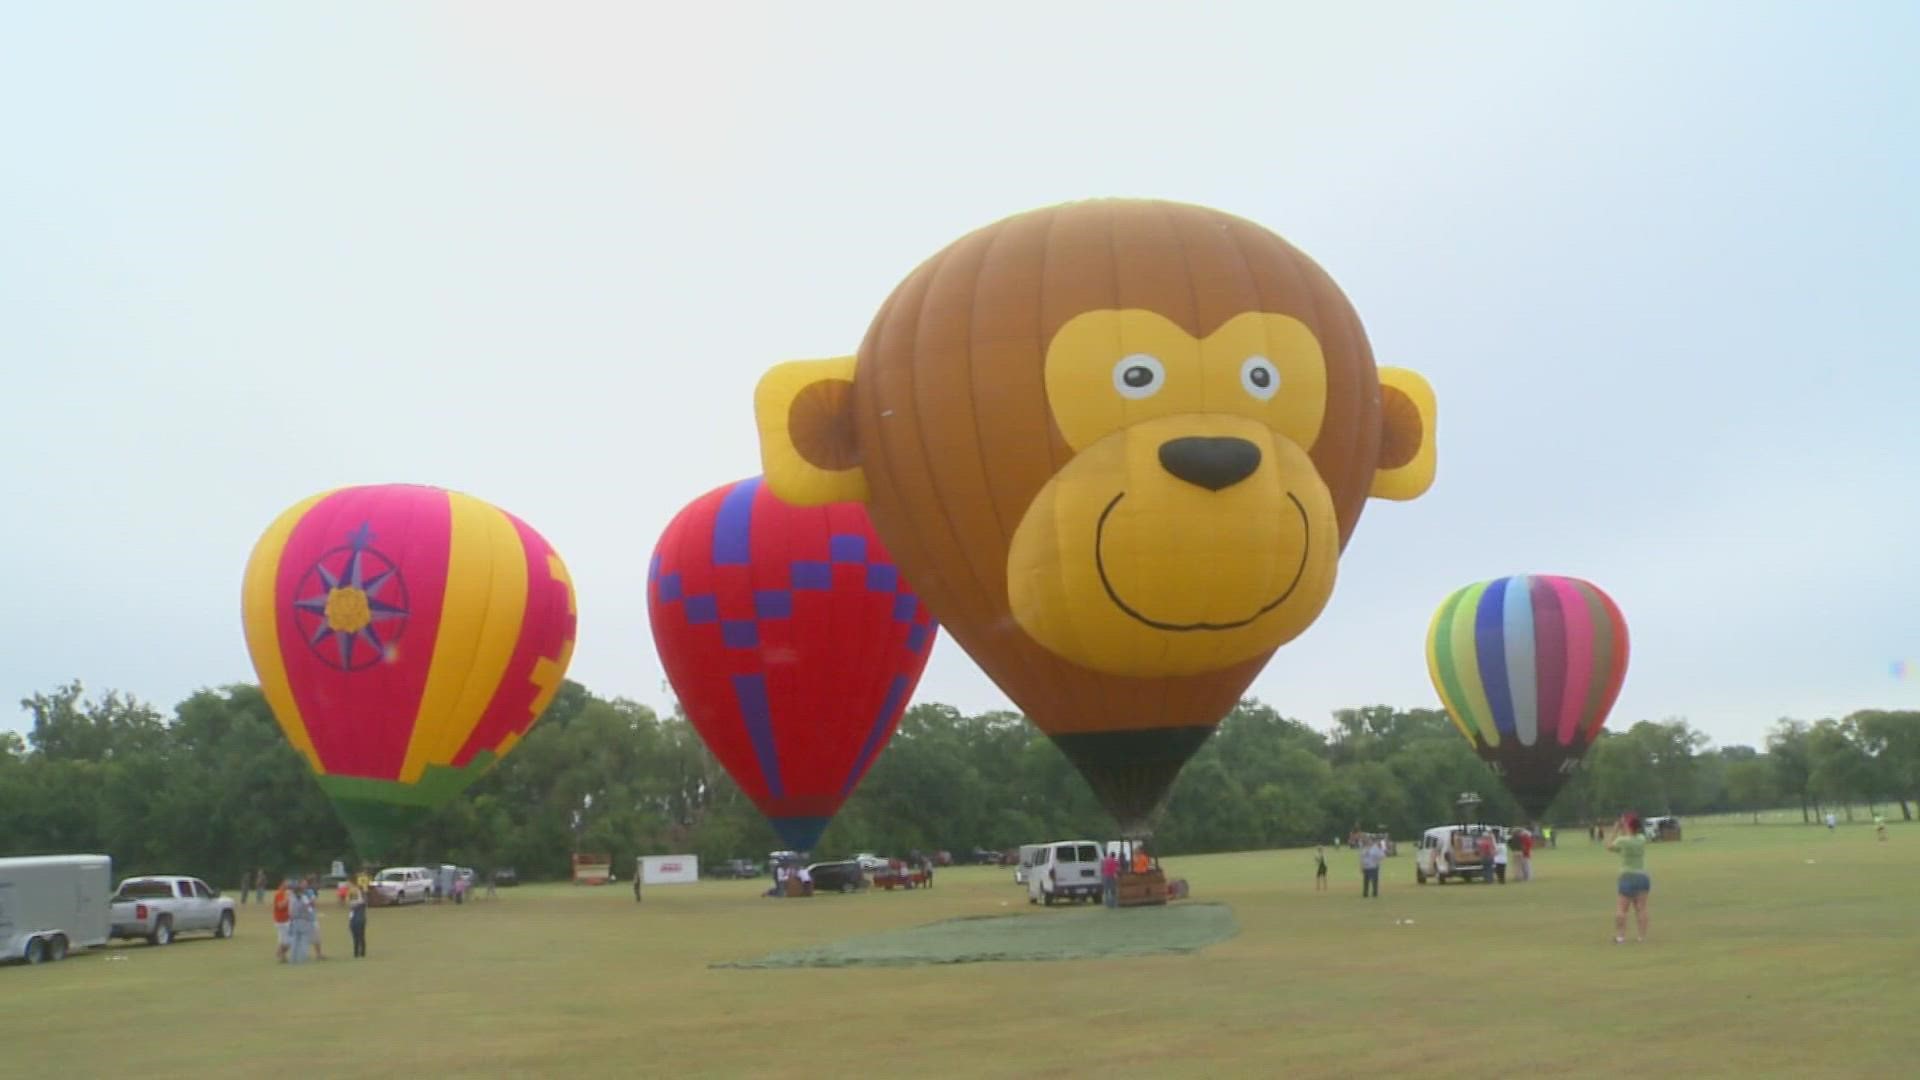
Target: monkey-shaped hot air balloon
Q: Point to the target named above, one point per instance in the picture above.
(793, 642)
(1118, 446)
(1528, 668)
(406, 638)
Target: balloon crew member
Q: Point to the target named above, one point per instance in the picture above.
(1110, 879)
(1500, 860)
(1320, 869)
(1526, 855)
(1634, 883)
(357, 917)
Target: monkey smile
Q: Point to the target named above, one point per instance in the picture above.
(1099, 564)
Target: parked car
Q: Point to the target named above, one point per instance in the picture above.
(506, 875)
(1661, 828)
(50, 904)
(1456, 844)
(984, 857)
(404, 884)
(1065, 870)
(736, 868)
(160, 908)
(845, 875)
(870, 862)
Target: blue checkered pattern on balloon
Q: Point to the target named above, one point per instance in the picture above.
(803, 575)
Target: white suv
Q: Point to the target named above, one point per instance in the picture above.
(401, 884)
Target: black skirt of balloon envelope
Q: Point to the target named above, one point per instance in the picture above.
(1529, 667)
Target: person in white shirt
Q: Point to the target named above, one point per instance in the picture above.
(1370, 857)
(1500, 859)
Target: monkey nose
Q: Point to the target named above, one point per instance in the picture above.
(1208, 462)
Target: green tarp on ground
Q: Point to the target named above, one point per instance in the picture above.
(1069, 935)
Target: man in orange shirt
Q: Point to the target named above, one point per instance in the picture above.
(282, 912)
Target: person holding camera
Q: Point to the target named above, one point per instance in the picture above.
(1634, 884)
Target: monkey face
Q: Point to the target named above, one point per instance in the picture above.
(1190, 530)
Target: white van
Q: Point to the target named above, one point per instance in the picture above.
(1029, 854)
(401, 884)
(1065, 869)
(52, 903)
(1447, 851)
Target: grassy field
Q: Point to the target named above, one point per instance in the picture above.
(1775, 951)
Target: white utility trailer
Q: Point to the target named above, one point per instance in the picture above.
(51, 904)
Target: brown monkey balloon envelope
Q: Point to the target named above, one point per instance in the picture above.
(1117, 446)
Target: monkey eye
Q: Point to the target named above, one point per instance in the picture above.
(1139, 376)
(1260, 377)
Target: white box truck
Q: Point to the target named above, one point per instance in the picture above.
(50, 904)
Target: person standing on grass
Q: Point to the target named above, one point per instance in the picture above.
(299, 922)
(1500, 860)
(1110, 879)
(357, 918)
(1370, 857)
(282, 915)
(1526, 855)
(1634, 884)
(313, 932)
(1319, 869)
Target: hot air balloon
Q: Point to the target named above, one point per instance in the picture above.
(793, 643)
(406, 638)
(1118, 445)
(1528, 668)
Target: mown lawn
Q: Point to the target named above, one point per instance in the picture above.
(1776, 950)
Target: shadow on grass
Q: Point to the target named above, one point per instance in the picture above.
(1073, 935)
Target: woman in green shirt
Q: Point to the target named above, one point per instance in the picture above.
(1634, 882)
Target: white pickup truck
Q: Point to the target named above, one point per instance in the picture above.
(157, 908)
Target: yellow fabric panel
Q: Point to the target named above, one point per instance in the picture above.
(480, 620)
(260, 615)
(789, 474)
(1411, 480)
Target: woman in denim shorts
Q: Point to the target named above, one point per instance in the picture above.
(1634, 883)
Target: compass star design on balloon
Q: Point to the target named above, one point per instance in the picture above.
(351, 606)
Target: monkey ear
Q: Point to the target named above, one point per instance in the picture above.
(1406, 436)
(808, 449)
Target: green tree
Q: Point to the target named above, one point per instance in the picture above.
(1791, 757)
(1752, 785)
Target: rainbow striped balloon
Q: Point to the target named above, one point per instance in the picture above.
(1528, 667)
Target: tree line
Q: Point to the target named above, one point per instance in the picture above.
(215, 789)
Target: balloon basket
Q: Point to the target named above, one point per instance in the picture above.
(1142, 890)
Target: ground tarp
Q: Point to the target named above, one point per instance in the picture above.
(1068, 935)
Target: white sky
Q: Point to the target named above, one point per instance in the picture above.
(1658, 262)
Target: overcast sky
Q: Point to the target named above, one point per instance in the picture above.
(1658, 261)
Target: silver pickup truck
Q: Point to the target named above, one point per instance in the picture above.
(157, 908)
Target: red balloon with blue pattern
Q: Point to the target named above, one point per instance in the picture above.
(793, 644)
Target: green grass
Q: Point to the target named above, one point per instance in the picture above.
(1760, 964)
